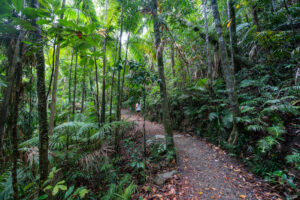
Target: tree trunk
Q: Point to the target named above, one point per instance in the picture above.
(53, 102)
(83, 90)
(70, 81)
(75, 82)
(10, 80)
(208, 57)
(172, 59)
(124, 71)
(14, 138)
(112, 87)
(228, 72)
(42, 105)
(53, 66)
(104, 71)
(162, 82)
(232, 32)
(255, 18)
(97, 89)
(119, 85)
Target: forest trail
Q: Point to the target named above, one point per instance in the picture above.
(207, 172)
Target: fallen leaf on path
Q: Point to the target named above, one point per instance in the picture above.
(200, 193)
(243, 196)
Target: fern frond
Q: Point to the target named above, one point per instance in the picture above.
(256, 128)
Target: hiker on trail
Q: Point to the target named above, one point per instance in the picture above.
(138, 109)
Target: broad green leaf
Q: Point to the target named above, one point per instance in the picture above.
(63, 187)
(83, 192)
(45, 4)
(55, 190)
(70, 190)
(45, 196)
(18, 4)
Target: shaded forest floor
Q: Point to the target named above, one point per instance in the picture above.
(204, 170)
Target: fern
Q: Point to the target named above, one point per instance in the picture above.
(276, 131)
(256, 128)
(267, 143)
(212, 116)
(293, 158)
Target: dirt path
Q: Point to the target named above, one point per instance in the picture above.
(206, 171)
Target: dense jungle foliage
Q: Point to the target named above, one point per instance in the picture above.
(227, 71)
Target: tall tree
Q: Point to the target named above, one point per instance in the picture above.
(75, 81)
(104, 70)
(172, 59)
(97, 88)
(70, 82)
(228, 72)
(53, 102)
(124, 70)
(83, 91)
(162, 81)
(10, 78)
(112, 85)
(119, 82)
(42, 102)
(208, 58)
(14, 136)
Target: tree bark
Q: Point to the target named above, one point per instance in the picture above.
(162, 82)
(255, 17)
(208, 57)
(83, 90)
(124, 70)
(70, 81)
(75, 82)
(14, 138)
(42, 104)
(228, 72)
(119, 85)
(97, 89)
(104, 71)
(53, 102)
(112, 86)
(172, 59)
(10, 80)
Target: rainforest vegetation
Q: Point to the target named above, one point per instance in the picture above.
(223, 72)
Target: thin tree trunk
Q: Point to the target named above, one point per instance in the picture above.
(119, 85)
(70, 81)
(104, 71)
(83, 90)
(228, 72)
(112, 87)
(208, 57)
(172, 59)
(42, 105)
(53, 102)
(53, 67)
(144, 123)
(162, 82)
(97, 89)
(75, 81)
(255, 17)
(124, 71)
(232, 31)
